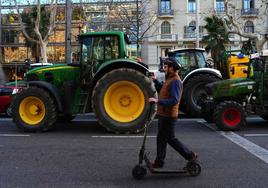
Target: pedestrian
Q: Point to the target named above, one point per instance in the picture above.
(167, 111)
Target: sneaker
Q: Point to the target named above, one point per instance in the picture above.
(157, 164)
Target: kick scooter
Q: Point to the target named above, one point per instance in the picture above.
(192, 168)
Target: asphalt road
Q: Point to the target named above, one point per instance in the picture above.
(82, 154)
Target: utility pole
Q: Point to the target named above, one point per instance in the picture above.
(68, 32)
(266, 32)
(1, 31)
(138, 26)
(197, 24)
(1, 70)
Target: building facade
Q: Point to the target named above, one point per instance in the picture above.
(176, 25)
(86, 16)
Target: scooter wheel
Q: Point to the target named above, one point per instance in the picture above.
(193, 168)
(139, 172)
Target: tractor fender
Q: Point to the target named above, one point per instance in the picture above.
(53, 90)
(210, 71)
(116, 64)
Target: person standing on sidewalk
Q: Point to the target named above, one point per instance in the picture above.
(167, 111)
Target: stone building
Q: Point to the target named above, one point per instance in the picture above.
(176, 25)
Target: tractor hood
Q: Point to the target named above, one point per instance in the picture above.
(230, 88)
(55, 74)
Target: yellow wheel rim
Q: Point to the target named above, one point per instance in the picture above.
(32, 110)
(124, 101)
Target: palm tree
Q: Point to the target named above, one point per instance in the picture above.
(215, 39)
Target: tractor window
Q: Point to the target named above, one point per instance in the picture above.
(111, 48)
(86, 50)
(201, 59)
(98, 49)
(186, 59)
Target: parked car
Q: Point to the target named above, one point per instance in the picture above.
(6, 93)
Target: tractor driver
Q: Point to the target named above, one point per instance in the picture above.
(167, 111)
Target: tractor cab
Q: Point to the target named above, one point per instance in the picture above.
(97, 49)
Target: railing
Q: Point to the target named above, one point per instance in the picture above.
(164, 38)
(250, 12)
(189, 31)
(165, 12)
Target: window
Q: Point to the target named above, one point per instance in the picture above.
(192, 27)
(248, 4)
(249, 27)
(165, 5)
(164, 51)
(219, 5)
(191, 6)
(165, 28)
(10, 36)
(186, 59)
(96, 50)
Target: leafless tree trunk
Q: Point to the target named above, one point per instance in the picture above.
(42, 41)
(137, 24)
(234, 23)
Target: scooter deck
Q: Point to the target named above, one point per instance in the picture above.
(162, 170)
(167, 171)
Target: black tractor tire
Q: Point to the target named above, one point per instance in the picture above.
(230, 116)
(120, 101)
(34, 109)
(193, 90)
(8, 111)
(209, 118)
(265, 117)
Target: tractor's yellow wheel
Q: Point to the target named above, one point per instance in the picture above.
(120, 100)
(32, 110)
(124, 101)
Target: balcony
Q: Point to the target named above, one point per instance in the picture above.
(166, 13)
(189, 32)
(164, 38)
(250, 12)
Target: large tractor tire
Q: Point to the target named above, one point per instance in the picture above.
(193, 90)
(230, 116)
(120, 100)
(33, 109)
(265, 117)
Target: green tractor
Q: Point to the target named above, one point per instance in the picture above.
(230, 101)
(104, 81)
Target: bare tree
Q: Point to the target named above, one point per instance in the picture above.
(137, 20)
(234, 23)
(42, 41)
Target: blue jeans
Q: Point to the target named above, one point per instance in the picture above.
(166, 135)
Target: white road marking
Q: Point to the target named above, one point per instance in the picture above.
(14, 135)
(5, 119)
(122, 136)
(255, 135)
(249, 146)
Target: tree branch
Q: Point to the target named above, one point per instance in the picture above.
(22, 25)
(52, 25)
